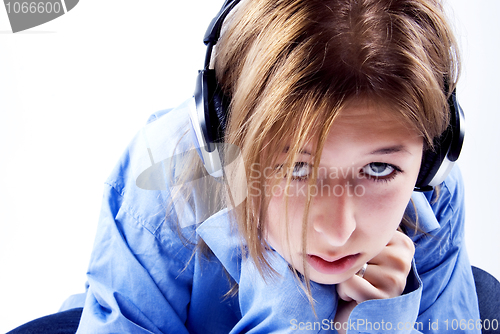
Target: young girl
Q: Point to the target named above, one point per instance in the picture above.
(311, 224)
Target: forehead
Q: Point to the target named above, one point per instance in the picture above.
(370, 119)
(360, 126)
(363, 127)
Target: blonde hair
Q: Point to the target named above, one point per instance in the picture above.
(290, 66)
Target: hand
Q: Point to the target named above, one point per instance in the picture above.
(385, 276)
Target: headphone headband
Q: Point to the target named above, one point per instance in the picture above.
(213, 31)
(214, 28)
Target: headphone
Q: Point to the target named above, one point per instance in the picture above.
(208, 120)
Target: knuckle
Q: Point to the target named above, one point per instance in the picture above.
(396, 285)
(342, 293)
(393, 280)
(342, 290)
(409, 245)
(405, 242)
(401, 262)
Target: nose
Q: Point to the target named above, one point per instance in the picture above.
(333, 218)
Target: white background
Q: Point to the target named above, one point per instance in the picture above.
(74, 91)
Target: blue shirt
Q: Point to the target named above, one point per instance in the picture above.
(144, 278)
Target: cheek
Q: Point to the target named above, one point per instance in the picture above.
(387, 204)
(274, 223)
(388, 201)
(281, 227)
(379, 213)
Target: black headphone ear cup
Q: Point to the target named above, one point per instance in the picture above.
(205, 124)
(215, 104)
(437, 163)
(431, 161)
(208, 108)
(220, 112)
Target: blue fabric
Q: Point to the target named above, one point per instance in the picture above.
(488, 295)
(144, 278)
(59, 323)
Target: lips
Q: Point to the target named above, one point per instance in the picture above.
(337, 266)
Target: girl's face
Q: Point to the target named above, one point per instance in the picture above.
(367, 171)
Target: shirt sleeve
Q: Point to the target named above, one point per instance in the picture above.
(449, 300)
(140, 273)
(130, 276)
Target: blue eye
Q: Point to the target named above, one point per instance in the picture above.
(380, 170)
(301, 171)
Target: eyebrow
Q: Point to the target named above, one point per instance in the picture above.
(302, 151)
(390, 150)
(380, 151)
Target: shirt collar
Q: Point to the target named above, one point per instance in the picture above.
(223, 240)
(419, 209)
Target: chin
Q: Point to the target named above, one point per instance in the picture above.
(329, 279)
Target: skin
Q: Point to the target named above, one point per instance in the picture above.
(357, 214)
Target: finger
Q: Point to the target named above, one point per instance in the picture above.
(399, 239)
(391, 281)
(385, 275)
(342, 292)
(360, 290)
(389, 269)
(378, 282)
(397, 254)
